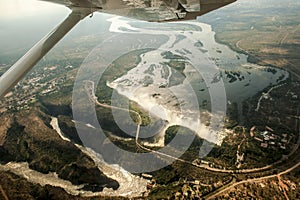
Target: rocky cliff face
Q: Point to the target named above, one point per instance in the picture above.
(27, 137)
(10, 188)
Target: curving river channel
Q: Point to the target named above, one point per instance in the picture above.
(213, 74)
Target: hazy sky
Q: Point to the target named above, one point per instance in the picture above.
(24, 22)
(10, 9)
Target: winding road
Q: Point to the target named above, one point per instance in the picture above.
(213, 196)
(89, 86)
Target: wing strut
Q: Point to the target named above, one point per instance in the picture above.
(35, 54)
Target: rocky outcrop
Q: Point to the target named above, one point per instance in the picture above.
(29, 139)
(4, 125)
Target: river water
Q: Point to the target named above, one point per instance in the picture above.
(241, 78)
(130, 185)
(213, 74)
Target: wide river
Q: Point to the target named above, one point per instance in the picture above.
(213, 75)
(183, 76)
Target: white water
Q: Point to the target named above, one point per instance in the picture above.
(176, 104)
(132, 85)
(55, 126)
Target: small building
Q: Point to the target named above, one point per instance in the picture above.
(272, 143)
(147, 176)
(264, 145)
(204, 162)
(284, 140)
(258, 139)
(267, 138)
(282, 147)
(274, 136)
(264, 133)
(270, 129)
(294, 97)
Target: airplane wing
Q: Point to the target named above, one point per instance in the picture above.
(148, 10)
